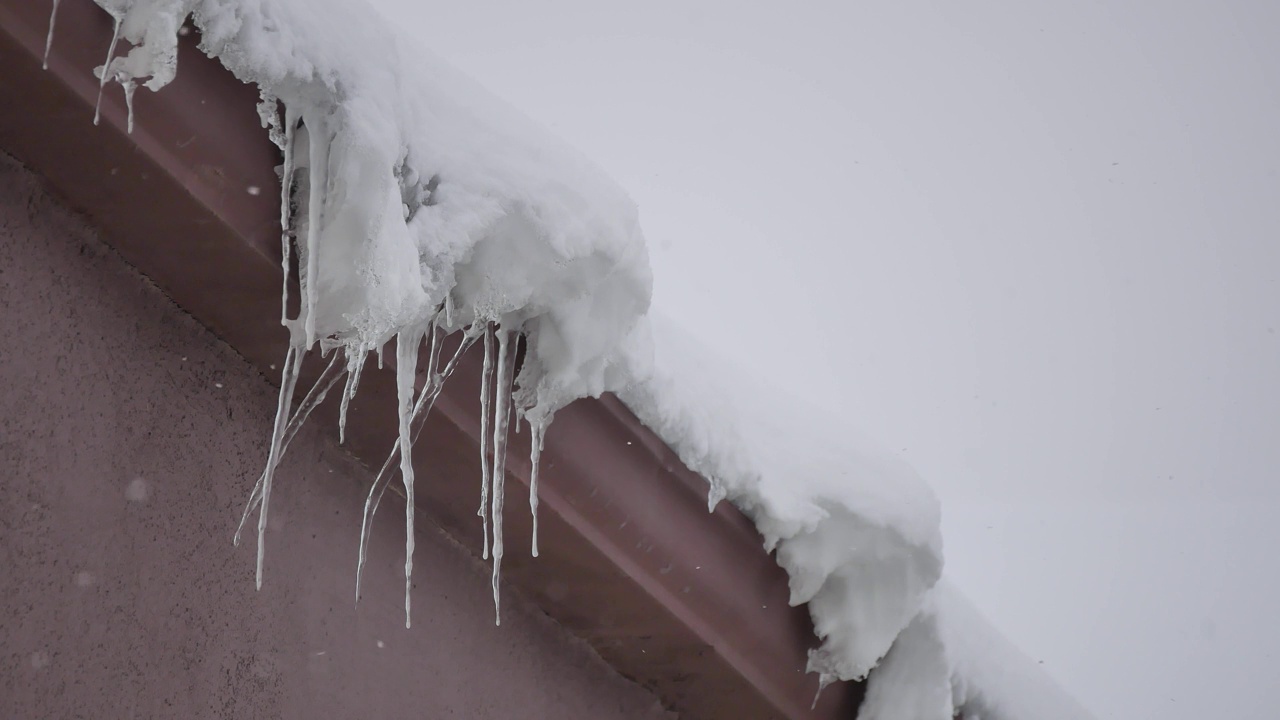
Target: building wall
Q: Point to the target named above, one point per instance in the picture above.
(129, 440)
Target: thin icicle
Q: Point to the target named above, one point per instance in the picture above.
(426, 400)
(48, 41)
(281, 437)
(359, 370)
(318, 167)
(407, 343)
(501, 421)
(380, 483)
(486, 392)
(332, 373)
(129, 86)
(716, 492)
(824, 679)
(537, 431)
(286, 205)
(292, 364)
(355, 364)
(434, 348)
(106, 67)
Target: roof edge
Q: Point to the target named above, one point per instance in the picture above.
(686, 603)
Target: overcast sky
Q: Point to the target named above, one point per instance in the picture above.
(1032, 246)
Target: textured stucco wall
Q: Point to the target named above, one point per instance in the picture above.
(129, 440)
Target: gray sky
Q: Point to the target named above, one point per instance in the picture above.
(1032, 246)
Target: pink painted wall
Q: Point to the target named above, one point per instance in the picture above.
(129, 440)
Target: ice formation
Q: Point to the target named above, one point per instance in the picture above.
(414, 206)
(48, 39)
(856, 529)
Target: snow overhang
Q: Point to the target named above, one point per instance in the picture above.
(685, 602)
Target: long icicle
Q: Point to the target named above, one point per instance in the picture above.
(407, 344)
(434, 348)
(332, 373)
(502, 397)
(289, 379)
(359, 370)
(129, 86)
(355, 365)
(406, 372)
(106, 67)
(48, 40)
(382, 480)
(486, 392)
(286, 209)
(321, 387)
(537, 431)
(318, 140)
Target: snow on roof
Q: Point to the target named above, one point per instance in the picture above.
(415, 204)
(856, 529)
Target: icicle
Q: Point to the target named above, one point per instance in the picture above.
(318, 166)
(355, 364)
(379, 487)
(286, 203)
(48, 41)
(486, 392)
(289, 378)
(715, 492)
(269, 116)
(434, 349)
(314, 397)
(537, 431)
(129, 86)
(407, 343)
(352, 364)
(102, 77)
(426, 400)
(359, 370)
(501, 421)
(824, 679)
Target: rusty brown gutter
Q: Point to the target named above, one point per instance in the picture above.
(684, 602)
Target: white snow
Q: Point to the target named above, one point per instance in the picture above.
(914, 679)
(856, 529)
(414, 205)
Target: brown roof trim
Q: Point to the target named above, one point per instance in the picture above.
(684, 602)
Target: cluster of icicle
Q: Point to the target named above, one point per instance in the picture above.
(113, 68)
(301, 201)
(347, 363)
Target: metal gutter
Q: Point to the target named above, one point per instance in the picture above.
(684, 602)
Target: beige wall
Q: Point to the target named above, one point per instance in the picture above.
(129, 440)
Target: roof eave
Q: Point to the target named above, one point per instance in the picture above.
(684, 602)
